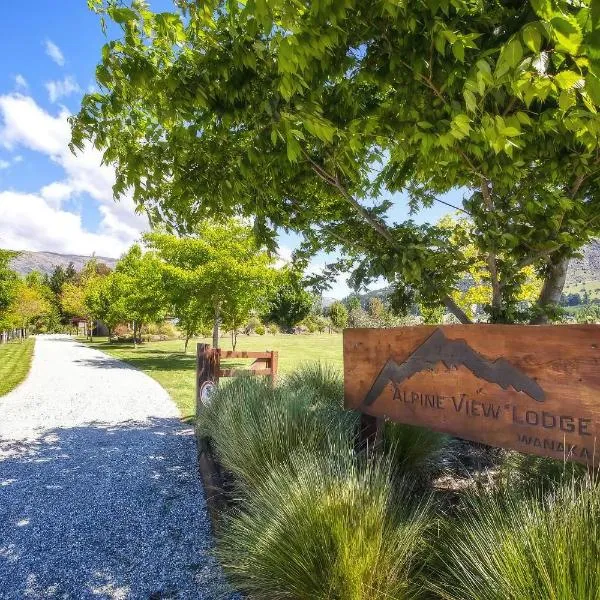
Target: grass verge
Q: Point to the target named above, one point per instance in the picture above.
(15, 362)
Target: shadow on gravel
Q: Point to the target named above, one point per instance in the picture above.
(105, 512)
(174, 362)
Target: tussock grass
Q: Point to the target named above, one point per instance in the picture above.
(323, 382)
(525, 472)
(256, 427)
(324, 527)
(15, 362)
(510, 547)
(416, 450)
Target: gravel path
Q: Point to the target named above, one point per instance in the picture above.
(99, 493)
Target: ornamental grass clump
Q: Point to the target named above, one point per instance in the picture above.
(255, 426)
(416, 450)
(326, 527)
(510, 547)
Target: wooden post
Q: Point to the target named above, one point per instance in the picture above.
(274, 365)
(207, 374)
(370, 433)
(207, 377)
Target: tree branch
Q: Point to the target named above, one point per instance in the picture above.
(491, 257)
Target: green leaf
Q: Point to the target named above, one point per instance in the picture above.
(510, 57)
(592, 87)
(122, 15)
(458, 49)
(566, 100)
(532, 37)
(470, 101)
(543, 8)
(566, 80)
(568, 33)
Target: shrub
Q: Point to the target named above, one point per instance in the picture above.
(260, 330)
(325, 528)
(273, 329)
(506, 547)
(253, 323)
(256, 427)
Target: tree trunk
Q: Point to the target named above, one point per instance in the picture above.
(215, 337)
(187, 341)
(551, 290)
(456, 310)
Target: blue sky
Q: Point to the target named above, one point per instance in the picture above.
(49, 199)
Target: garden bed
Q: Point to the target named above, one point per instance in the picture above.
(300, 514)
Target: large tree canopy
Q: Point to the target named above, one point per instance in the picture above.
(311, 115)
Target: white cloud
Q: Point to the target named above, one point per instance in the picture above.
(56, 192)
(28, 222)
(54, 52)
(4, 164)
(23, 123)
(21, 82)
(61, 88)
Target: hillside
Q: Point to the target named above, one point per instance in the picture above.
(46, 262)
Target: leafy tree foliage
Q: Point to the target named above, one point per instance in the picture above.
(338, 314)
(8, 282)
(291, 303)
(311, 112)
(219, 273)
(139, 284)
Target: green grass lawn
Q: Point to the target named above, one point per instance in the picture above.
(175, 371)
(15, 361)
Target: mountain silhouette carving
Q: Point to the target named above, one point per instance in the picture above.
(453, 353)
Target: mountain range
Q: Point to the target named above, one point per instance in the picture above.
(45, 262)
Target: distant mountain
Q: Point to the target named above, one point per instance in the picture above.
(46, 262)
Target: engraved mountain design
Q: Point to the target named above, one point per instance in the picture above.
(453, 353)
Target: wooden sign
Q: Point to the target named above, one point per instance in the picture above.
(535, 389)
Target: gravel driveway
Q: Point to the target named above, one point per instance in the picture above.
(99, 496)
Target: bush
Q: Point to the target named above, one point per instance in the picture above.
(164, 329)
(256, 427)
(273, 329)
(260, 330)
(253, 323)
(511, 548)
(325, 528)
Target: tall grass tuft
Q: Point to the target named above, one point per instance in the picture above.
(416, 449)
(322, 381)
(255, 427)
(506, 547)
(525, 471)
(325, 528)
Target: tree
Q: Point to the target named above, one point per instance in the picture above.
(141, 288)
(30, 303)
(296, 104)
(221, 272)
(291, 302)
(104, 298)
(8, 285)
(338, 314)
(588, 314)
